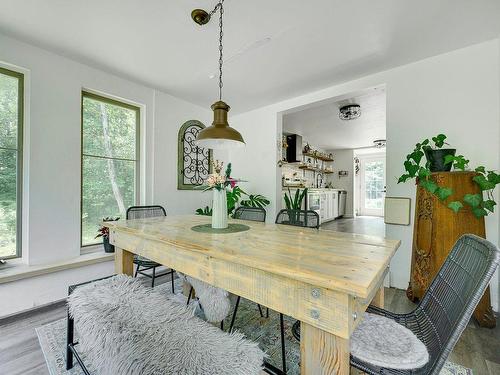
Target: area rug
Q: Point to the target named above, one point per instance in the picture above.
(52, 338)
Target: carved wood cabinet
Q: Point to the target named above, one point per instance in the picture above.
(436, 230)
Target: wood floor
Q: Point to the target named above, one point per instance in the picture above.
(372, 225)
(20, 353)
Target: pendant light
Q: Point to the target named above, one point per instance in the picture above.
(219, 135)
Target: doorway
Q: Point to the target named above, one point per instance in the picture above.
(372, 184)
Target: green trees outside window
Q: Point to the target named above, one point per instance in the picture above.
(110, 161)
(11, 138)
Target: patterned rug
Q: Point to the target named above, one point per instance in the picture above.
(52, 339)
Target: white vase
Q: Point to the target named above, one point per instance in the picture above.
(219, 209)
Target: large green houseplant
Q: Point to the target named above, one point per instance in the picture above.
(481, 203)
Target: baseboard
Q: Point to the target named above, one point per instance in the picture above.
(32, 311)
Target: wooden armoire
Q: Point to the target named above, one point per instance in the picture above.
(436, 229)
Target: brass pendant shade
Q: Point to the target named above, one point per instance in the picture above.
(219, 135)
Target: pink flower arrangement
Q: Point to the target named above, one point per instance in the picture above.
(220, 181)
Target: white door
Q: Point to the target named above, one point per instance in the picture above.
(372, 179)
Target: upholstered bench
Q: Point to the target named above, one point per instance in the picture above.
(126, 328)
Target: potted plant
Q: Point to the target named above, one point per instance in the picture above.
(293, 204)
(233, 196)
(435, 153)
(481, 204)
(104, 233)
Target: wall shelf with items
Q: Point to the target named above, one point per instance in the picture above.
(318, 156)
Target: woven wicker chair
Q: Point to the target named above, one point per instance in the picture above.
(144, 264)
(442, 315)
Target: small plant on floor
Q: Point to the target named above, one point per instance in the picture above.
(104, 233)
(485, 179)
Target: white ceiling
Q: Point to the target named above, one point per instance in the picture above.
(276, 49)
(321, 126)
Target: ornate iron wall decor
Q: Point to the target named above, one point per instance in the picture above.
(193, 162)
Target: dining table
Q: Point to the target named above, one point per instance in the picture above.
(323, 278)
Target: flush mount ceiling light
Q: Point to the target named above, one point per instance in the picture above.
(349, 112)
(379, 143)
(219, 135)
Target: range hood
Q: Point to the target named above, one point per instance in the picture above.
(294, 149)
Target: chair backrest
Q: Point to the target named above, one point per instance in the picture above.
(298, 218)
(142, 212)
(454, 294)
(250, 213)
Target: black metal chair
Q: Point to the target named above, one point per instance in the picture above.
(447, 306)
(144, 264)
(71, 351)
(252, 214)
(298, 218)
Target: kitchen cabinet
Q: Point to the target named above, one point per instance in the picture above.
(325, 202)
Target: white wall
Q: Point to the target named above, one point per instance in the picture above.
(170, 114)
(456, 93)
(52, 163)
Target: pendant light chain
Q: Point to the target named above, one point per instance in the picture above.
(219, 7)
(221, 61)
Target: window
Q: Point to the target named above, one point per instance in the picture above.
(110, 161)
(11, 141)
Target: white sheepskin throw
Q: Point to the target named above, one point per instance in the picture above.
(129, 329)
(385, 343)
(216, 302)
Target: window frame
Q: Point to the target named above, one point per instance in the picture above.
(137, 109)
(19, 161)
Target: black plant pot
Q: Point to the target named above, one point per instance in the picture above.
(108, 248)
(436, 159)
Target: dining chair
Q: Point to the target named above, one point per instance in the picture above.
(301, 218)
(298, 218)
(252, 214)
(447, 306)
(145, 264)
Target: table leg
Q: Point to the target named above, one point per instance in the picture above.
(378, 300)
(124, 261)
(322, 353)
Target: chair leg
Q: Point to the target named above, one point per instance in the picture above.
(137, 270)
(234, 314)
(267, 312)
(69, 340)
(222, 325)
(260, 311)
(283, 356)
(172, 280)
(190, 294)
(153, 278)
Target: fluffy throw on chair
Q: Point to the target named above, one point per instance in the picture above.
(216, 302)
(127, 328)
